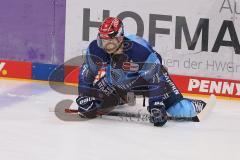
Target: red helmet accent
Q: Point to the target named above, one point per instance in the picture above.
(110, 28)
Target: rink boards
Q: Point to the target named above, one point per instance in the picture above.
(195, 39)
(69, 74)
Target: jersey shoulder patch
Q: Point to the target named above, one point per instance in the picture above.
(139, 49)
(141, 41)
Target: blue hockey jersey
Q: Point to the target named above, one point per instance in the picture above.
(139, 67)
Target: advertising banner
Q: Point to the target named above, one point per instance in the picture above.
(207, 86)
(15, 69)
(195, 38)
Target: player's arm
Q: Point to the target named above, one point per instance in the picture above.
(87, 103)
(93, 87)
(151, 72)
(87, 74)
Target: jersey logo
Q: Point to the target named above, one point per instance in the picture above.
(130, 66)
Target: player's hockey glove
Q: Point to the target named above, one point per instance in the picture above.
(87, 106)
(158, 114)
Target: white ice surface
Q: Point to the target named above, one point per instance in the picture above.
(28, 131)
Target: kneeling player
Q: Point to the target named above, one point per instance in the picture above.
(116, 64)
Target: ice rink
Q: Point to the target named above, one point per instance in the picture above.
(29, 131)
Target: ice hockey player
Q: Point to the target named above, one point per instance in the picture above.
(116, 64)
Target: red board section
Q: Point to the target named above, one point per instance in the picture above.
(186, 84)
(71, 74)
(200, 85)
(15, 69)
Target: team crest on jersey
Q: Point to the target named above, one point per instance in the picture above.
(130, 66)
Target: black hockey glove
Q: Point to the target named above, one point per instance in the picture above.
(87, 106)
(158, 114)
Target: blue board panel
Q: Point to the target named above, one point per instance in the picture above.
(48, 72)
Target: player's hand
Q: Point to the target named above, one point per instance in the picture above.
(87, 106)
(158, 114)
